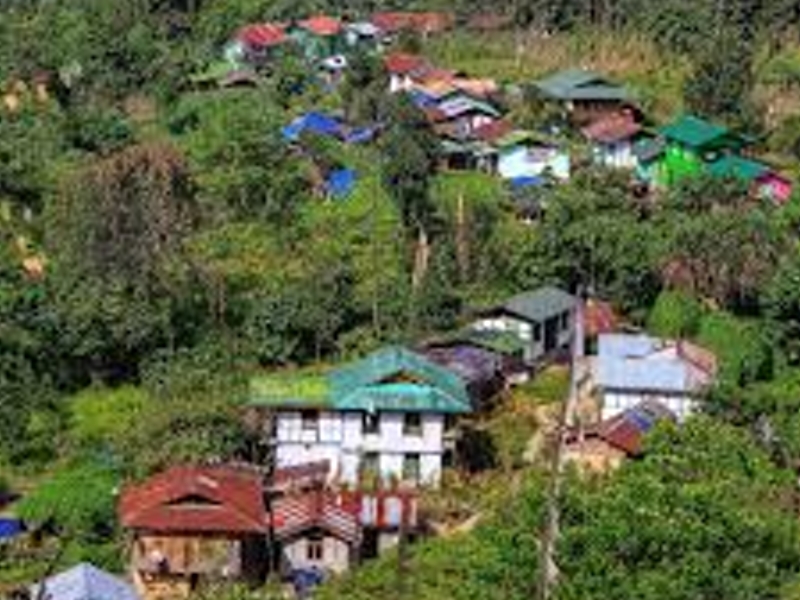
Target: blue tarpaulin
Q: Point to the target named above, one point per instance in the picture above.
(523, 182)
(10, 528)
(359, 135)
(340, 183)
(314, 122)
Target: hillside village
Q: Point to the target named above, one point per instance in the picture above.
(408, 330)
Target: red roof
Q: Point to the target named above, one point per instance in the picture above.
(491, 132)
(322, 25)
(263, 35)
(295, 514)
(612, 128)
(599, 317)
(400, 63)
(196, 500)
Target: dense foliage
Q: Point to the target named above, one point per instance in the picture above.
(159, 243)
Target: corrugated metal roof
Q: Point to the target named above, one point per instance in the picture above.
(368, 385)
(84, 582)
(738, 167)
(539, 305)
(580, 84)
(214, 499)
(693, 131)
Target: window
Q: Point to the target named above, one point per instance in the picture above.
(315, 549)
(537, 332)
(310, 420)
(412, 424)
(564, 321)
(371, 423)
(411, 467)
(370, 464)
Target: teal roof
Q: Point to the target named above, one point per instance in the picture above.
(539, 305)
(392, 379)
(738, 167)
(695, 132)
(580, 84)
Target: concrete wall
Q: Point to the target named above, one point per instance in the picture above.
(341, 440)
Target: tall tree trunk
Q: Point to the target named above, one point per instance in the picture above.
(422, 254)
(462, 243)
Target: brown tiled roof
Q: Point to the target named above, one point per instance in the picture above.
(599, 317)
(491, 132)
(295, 514)
(197, 499)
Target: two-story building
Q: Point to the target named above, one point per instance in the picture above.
(542, 320)
(387, 417)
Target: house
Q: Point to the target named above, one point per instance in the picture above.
(542, 320)
(612, 139)
(524, 155)
(690, 144)
(313, 531)
(255, 44)
(192, 525)
(603, 446)
(84, 582)
(584, 95)
(387, 417)
(319, 36)
(363, 35)
(762, 180)
(459, 115)
(630, 369)
(404, 70)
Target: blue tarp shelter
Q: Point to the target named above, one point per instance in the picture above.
(340, 183)
(85, 582)
(10, 528)
(315, 122)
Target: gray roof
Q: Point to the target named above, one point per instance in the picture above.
(579, 84)
(85, 582)
(539, 305)
(639, 362)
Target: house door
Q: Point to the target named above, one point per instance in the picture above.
(550, 334)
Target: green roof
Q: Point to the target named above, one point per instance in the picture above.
(696, 132)
(367, 385)
(738, 167)
(580, 84)
(539, 305)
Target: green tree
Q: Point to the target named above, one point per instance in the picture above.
(675, 315)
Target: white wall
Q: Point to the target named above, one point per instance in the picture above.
(618, 155)
(335, 555)
(341, 441)
(616, 402)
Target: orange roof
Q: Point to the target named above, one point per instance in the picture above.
(322, 25)
(262, 35)
(599, 317)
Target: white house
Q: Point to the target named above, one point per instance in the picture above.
(388, 416)
(613, 138)
(520, 154)
(631, 369)
(542, 321)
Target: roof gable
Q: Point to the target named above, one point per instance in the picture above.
(368, 376)
(199, 499)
